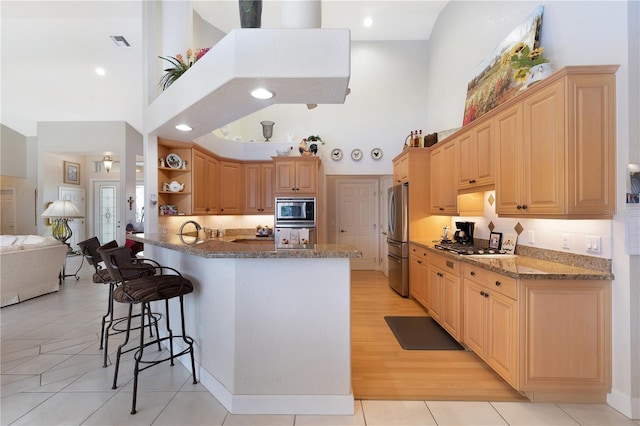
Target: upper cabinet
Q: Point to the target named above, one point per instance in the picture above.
(556, 147)
(401, 168)
(476, 159)
(296, 175)
(444, 179)
(231, 187)
(259, 181)
(205, 182)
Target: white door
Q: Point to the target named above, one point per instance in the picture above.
(76, 195)
(386, 182)
(358, 220)
(8, 212)
(105, 207)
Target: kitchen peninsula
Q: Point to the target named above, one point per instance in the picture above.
(272, 326)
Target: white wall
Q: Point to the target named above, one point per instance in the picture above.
(573, 33)
(388, 89)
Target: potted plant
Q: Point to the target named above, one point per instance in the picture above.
(524, 60)
(179, 66)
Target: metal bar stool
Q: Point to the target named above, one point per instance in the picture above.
(110, 325)
(166, 284)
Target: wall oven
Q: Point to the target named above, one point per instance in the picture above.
(295, 212)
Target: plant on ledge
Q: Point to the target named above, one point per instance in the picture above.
(523, 59)
(180, 65)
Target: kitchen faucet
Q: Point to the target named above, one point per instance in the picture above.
(197, 225)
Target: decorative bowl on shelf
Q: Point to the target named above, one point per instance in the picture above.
(283, 152)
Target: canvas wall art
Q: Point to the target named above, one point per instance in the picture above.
(492, 82)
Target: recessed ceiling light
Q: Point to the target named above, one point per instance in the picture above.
(184, 127)
(120, 41)
(101, 71)
(262, 93)
(368, 21)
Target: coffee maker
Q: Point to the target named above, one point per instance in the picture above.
(464, 233)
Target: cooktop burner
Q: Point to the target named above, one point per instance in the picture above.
(464, 249)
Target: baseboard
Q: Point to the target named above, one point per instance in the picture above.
(626, 405)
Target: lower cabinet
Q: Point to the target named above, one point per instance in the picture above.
(549, 339)
(418, 271)
(443, 293)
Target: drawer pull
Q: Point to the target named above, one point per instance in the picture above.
(473, 274)
(498, 283)
(450, 264)
(482, 293)
(486, 295)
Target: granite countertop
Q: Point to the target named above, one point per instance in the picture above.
(523, 267)
(244, 247)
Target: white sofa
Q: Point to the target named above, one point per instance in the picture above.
(30, 266)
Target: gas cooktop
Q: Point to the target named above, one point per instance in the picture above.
(465, 249)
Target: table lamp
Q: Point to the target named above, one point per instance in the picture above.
(60, 212)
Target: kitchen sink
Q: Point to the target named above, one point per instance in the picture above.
(493, 256)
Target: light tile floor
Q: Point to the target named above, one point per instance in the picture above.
(52, 374)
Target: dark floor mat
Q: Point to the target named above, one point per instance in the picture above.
(421, 333)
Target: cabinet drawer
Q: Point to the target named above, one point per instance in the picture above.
(502, 284)
(448, 265)
(474, 273)
(417, 251)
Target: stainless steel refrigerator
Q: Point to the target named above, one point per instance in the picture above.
(398, 238)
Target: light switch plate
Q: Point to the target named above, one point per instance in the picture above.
(594, 244)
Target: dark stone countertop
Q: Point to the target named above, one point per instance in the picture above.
(523, 267)
(245, 247)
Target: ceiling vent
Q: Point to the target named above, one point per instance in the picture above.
(120, 41)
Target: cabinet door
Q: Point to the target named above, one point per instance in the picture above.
(306, 177)
(267, 184)
(450, 179)
(205, 183)
(485, 155)
(437, 188)
(231, 188)
(450, 308)
(433, 292)
(286, 176)
(401, 169)
(416, 282)
(501, 350)
(252, 193)
(508, 129)
(544, 152)
(474, 317)
(467, 172)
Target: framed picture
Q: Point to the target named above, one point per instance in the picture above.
(494, 240)
(71, 173)
(509, 243)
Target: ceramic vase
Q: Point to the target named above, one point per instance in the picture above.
(539, 72)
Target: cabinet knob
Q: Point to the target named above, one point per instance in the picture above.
(342, 230)
(473, 274)
(441, 208)
(482, 293)
(524, 207)
(519, 207)
(439, 274)
(419, 261)
(498, 283)
(486, 295)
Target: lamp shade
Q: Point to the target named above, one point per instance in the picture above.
(62, 208)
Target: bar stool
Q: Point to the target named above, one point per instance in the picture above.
(110, 325)
(166, 284)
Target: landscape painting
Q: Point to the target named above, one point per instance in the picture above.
(492, 83)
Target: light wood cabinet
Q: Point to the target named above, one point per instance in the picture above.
(491, 320)
(550, 339)
(476, 158)
(231, 187)
(297, 175)
(259, 188)
(182, 200)
(205, 183)
(444, 294)
(401, 168)
(418, 274)
(556, 147)
(444, 179)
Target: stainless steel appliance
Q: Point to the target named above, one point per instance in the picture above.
(464, 232)
(398, 238)
(295, 212)
(295, 222)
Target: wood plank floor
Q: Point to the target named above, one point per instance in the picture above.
(381, 369)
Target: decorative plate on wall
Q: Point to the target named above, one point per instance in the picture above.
(174, 161)
(336, 154)
(356, 155)
(376, 153)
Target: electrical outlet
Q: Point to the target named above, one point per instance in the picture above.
(566, 241)
(531, 238)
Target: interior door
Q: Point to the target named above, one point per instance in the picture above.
(105, 207)
(358, 220)
(8, 212)
(77, 196)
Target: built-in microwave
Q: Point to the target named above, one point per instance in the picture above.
(295, 212)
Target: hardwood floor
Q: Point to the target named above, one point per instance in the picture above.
(381, 369)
